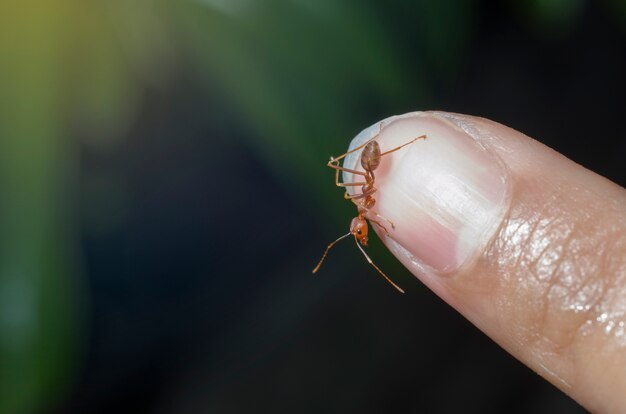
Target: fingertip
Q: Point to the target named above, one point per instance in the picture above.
(525, 243)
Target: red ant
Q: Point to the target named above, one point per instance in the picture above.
(370, 160)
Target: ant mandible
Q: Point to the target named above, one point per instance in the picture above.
(370, 160)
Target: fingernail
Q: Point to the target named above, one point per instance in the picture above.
(447, 194)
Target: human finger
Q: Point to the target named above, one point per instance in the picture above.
(525, 243)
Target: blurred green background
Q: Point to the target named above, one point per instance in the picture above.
(163, 196)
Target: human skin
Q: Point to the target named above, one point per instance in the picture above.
(525, 243)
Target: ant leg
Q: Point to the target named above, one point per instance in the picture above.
(348, 184)
(403, 145)
(367, 192)
(380, 225)
(337, 168)
(393, 226)
(361, 206)
(376, 267)
(353, 197)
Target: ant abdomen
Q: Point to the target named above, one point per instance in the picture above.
(370, 157)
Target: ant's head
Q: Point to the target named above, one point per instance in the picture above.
(359, 228)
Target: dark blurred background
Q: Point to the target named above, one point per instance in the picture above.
(164, 196)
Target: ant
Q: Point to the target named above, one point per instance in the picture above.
(370, 160)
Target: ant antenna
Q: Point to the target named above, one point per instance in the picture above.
(326, 252)
(376, 267)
